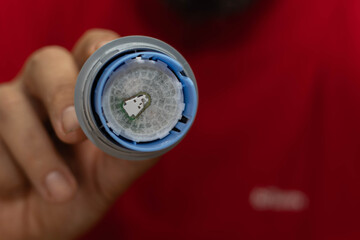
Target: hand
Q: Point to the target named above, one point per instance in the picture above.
(54, 183)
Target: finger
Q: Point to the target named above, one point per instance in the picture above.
(50, 75)
(91, 41)
(31, 147)
(12, 180)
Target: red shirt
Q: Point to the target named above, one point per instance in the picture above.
(275, 150)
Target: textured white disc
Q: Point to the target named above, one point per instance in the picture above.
(161, 94)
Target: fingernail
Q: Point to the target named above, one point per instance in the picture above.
(69, 120)
(57, 186)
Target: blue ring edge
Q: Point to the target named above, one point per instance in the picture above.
(190, 100)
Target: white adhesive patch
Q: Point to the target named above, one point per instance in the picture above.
(143, 81)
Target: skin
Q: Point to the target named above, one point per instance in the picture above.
(50, 173)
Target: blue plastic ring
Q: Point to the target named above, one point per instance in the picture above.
(190, 100)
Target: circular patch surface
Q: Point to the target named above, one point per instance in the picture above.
(142, 100)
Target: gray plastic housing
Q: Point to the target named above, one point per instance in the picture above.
(86, 80)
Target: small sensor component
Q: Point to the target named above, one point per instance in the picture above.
(136, 105)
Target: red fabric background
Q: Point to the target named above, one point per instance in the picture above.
(279, 106)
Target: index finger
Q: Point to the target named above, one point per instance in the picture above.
(50, 76)
(91, 41)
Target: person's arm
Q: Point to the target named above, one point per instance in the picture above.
(54, 183)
